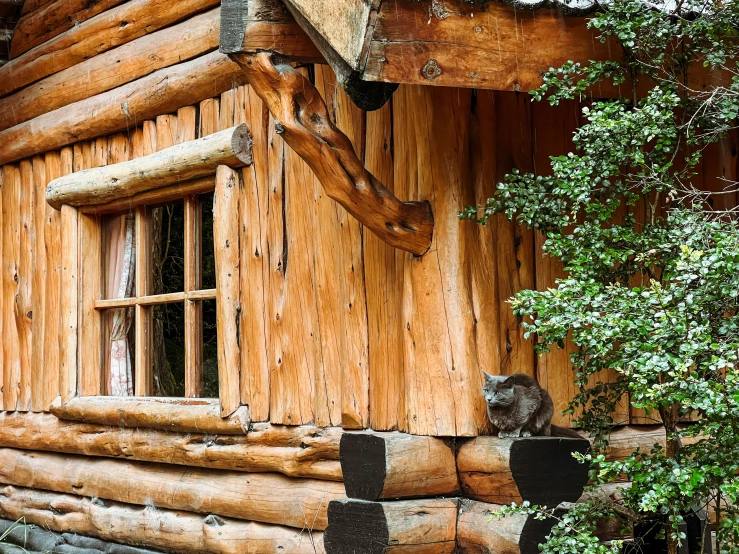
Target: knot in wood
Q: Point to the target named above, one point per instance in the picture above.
(431, 70)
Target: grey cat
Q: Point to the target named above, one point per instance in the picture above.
(518, 406)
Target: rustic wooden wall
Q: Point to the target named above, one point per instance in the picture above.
(337, 328)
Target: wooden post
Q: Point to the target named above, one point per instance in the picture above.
(541, 470)
(302, 119)
(11, 246)
(424, 526)
(395, 465)
(228, 299)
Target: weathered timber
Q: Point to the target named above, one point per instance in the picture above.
(423, 526)
(305, 451)
(178, 163)
(161, 92)
(396, 465)
(623, 441)
(169, 530)
(181, 415)
(541, 470)
(11, 254)
(257, 25)
(52, 19)
(366, 95)
(228, 296)
(133, 60)
(99, 34)
(263, 497)
(304, 123)
(478, 534)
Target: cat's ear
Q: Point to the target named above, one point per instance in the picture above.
(508, 382)
(488, 378)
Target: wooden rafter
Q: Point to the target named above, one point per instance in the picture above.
(303, 121)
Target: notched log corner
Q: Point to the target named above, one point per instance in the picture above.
(305, 125)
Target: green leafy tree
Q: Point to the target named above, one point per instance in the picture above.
(652, 290)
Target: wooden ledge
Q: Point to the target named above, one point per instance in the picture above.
(303, 121)
(182, 415)
(182, 162)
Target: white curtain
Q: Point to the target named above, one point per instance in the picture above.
(121, 272)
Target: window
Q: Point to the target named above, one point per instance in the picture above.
(156, 305)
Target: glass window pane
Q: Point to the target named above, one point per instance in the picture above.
(210, 350)
(119, 256)
(168, 352)
(209, 264)
(167, 228)
(119, 351)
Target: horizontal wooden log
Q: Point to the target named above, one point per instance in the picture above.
(133, 60)
(52, 19)
(183, 415)
(396, 465)
(107, 30)
(161, 92)
(423, 526)
(477, 533)
(178, 163)
(259, 25)
(168, 530)
(623, 441)
(305, 451)
(303, 121)
(541, 470)
(263, 497)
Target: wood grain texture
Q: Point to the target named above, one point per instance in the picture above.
(226, 234)
(90, 330)
(306, 127)
(155, 528)
(40, 370)
(163, 91)
(52, 19)
(4, 176)
(23, 299)
(133, 60)
(11, 255)
(424, 526)
(99, 34)
(306, 451)
(69, 320)
(178, 163)
(263, 497)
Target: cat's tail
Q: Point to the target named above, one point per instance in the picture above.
(558, 431)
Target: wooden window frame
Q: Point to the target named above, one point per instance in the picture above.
(91, 290)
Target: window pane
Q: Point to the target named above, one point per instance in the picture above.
(209, 262)
(210, 350)
(118, 349)
(169, 349)
(119, 256)
(167, 228)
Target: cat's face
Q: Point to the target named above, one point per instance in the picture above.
(498, 390)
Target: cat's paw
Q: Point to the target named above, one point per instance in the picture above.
(502, 435)
(526, 434)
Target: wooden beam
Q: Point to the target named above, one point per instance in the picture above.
(396, 465)
(541, 470)
(263, 497)
(169, 414)
(424, 526)
(306, 451)
(178, 163)
(304, 123)
(251, 26)
(161, 92)
(476, 532)
(114, 68)
(99, 34)
(168, 530)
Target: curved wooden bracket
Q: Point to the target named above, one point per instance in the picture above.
(302, 119)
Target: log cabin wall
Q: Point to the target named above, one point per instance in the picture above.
(337, 328)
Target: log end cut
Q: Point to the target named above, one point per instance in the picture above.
(241, 143)
(363, 465)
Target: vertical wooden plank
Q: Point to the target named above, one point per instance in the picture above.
(24, 301)
(11, 253)
(3, 183)
(69, 284)
(255, 388)
(384, 289)
(209, 116)
(227, 109)
(40, 370)
(226, 238)
(240, 99)
(166, 129)
(90, 291)
(52, 228)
